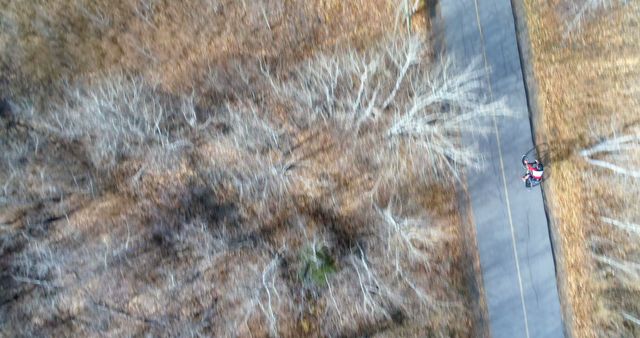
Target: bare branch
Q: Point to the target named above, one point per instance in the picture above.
(630, 227)
(614, 146)
(631, 318)
(579, 11)
(629, 268)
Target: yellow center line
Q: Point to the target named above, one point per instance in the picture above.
(504, 178)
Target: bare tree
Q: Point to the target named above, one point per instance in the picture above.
(576, 12)
(122, 118)
(618, 149)
(311, 145)
(615, 244)
(429, 105)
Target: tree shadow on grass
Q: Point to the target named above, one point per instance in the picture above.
(557, 152)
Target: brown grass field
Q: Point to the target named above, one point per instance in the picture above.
(589, 89)
(228, 169)
(173, 43)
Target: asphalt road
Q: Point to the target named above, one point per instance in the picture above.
(513, 239)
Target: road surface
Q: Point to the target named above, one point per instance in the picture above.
(515, 252)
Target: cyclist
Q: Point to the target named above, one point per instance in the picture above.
(534, 173)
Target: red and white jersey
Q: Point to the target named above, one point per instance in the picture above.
(535, 173)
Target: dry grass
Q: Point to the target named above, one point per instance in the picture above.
(278, 169)
(173, 43)
(588, 91)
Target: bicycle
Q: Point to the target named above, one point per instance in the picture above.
(533, 172)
